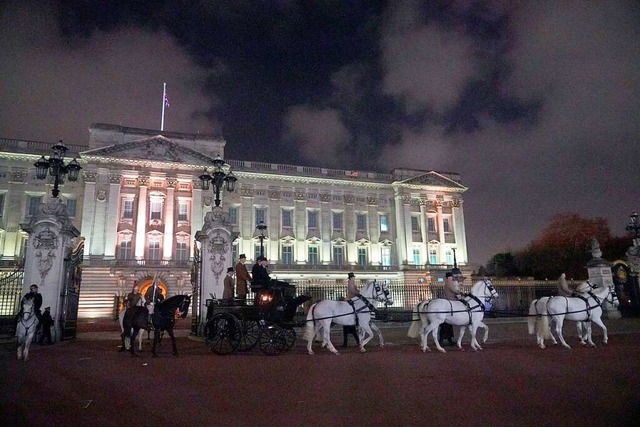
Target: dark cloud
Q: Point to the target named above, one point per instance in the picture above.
(536, 105)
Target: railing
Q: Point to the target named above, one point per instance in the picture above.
(514, 296)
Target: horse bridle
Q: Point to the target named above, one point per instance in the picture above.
(31, 315)
(380, 289)
(492, 290)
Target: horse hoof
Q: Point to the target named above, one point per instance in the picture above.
(363, 350)
(310, 353)
(442, 350)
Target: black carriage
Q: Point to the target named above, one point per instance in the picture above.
(268, 322)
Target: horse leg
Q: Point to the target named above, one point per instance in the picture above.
(433, 328)
(475, 345)
(375, 328)
(486, 331)
(140, 337)
(461, 332)
(367, 335)
(19, 350)
(156, 339)
(27, 343)
(605, 337)
(132, 339)
(326, 337)
(559, 320)
(173, 342)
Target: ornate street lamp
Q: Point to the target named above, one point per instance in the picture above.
(56, 167)
(633, 225)
(262, 228)
(220, 176)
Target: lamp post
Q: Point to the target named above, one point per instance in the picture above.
(261, 227)
(220, 175)
(634, 226)
(56, 167)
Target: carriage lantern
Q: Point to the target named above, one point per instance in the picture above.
(221, 176)
(57, 168)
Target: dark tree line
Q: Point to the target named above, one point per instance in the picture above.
(564, 246)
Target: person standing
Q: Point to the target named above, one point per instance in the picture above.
(352, 291)
(227, 293)
(242, 278)
(452, 291)
(152, 297)
(260, 274)
(134, 297)
(46, 322)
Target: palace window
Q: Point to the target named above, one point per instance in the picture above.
(182, 251)
(385, 255)
(433, 257)
(338, 255)
(183, 211)
(361, 222)
(431, 224)
(287, 254)
(416, 257)
(445, 225)
(287, 218)
(125, 246)
(154, 249)
(384, 223)
(313, 255)
(312, 219)
(363, 258)
(156, 209)
(1, 204)
(449, 256)
(34, 203)
(261, 216)
(415, 224)
(232, 216)
(127, 209)
(337, 221)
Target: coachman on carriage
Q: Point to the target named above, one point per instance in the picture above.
(234, 326)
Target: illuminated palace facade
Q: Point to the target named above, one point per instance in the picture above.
(139, 202)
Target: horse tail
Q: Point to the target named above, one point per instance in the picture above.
(544, 323)
(310, 324)
(533, 317)
(416, 323)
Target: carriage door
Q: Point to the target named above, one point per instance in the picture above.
(71, 292)
(626, 285)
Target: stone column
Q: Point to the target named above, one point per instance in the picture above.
(400, 227)
(89, 208)
(216, 254)
(459, 231)
(113, 215)
(141, 223)
(600, 274)
(167, 246)
(51, 236)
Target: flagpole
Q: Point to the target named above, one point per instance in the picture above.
(164, 101)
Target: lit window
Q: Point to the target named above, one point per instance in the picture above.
(127, 209)
(384, 223)
(154, 250)
(125, 246)
(156, 209)
(416, 257)
(363, 259)
(431, 224)
(183, 211)
(415, 224)
(433, 257)
(445, 225)
(449, 256)
(182, 251)
(385, 253)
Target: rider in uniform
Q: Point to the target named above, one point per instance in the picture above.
(153, 296)
(261, 280)
(134, 298)
(352, 291)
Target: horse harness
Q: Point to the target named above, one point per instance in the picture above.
(586, 302)
(33, 321)
(367, 304)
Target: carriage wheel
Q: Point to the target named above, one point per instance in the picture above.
(290, 337)
(273, 340)
(223, 333)
(250, 334)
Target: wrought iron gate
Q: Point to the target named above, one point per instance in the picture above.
(196, 291)
(10, 293)
(70, 291)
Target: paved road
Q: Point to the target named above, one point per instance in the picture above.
(512, 382)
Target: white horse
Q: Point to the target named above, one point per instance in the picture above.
(538, 310)
(469, 311)
(322, 313)
(26, 328)
(419, 323)
(588, 309)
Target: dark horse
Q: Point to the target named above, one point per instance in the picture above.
(163, 318)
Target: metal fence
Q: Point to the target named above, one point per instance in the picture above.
(10, 293)
(514, 295)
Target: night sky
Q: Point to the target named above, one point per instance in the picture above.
(535, 104)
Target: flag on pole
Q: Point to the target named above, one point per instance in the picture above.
(165, 104)
(166, 101)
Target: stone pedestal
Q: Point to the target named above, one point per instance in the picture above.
(51, 238)
(216, 238)
(600, 275)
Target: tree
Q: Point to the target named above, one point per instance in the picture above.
(502, 264)
(564, 246)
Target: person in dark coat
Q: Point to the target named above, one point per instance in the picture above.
(260, 274)
(242, 278)
(352, 292)
(451, 292)
(37, 301)
(46, 322)
(227, 293)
